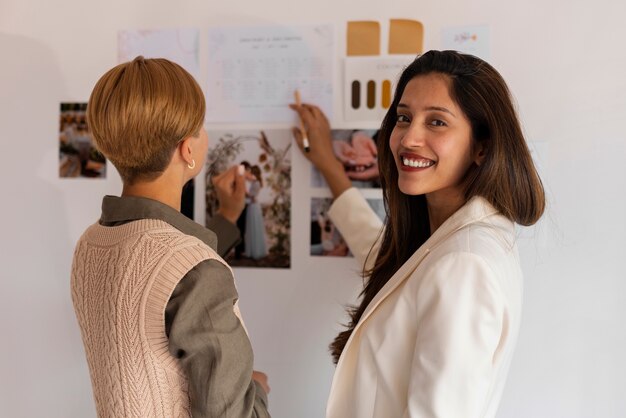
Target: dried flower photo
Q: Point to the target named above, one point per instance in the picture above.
(265, 223)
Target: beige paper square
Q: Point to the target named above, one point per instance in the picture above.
(406, 36)
(363, 38)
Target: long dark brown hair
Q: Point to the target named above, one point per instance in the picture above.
(506, 178)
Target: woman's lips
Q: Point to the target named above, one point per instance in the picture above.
(414, 162)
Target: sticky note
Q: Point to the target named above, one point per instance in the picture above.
(363, 38)
(406, 36)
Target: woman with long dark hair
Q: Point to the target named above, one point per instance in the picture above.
(434, 332)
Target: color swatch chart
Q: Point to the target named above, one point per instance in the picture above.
(369, 83)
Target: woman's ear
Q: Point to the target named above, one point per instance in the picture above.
(480, 151)
(184, 149)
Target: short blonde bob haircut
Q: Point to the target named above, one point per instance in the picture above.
(139, 111)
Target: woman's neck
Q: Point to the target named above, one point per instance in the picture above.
(163, 190)
(440, 208)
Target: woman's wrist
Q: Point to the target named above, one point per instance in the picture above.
(336, 177)
(230, 215)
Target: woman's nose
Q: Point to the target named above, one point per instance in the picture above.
(414, 136)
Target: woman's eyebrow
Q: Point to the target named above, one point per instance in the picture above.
(440, 109)
(429, 108)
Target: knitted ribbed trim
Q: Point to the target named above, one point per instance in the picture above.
(175, 267)
(112, 235)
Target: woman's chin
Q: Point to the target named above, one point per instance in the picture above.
(410, 188)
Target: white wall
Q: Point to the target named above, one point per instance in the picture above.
(565, 64)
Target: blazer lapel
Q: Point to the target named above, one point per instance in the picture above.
(476, 209)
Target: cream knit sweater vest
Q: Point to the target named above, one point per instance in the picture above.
(122, 279)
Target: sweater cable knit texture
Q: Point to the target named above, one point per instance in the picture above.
(122, 279)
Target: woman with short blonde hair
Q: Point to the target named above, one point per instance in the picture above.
(156, 304)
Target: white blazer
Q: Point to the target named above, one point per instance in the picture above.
(437, 340)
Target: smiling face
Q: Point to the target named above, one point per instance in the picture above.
(432, 141)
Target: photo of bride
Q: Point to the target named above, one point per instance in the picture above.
(254, 234)
(265, 221)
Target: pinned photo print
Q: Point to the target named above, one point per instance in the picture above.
(265, 223)
(325, 237)
(356, 149)
(78, 157)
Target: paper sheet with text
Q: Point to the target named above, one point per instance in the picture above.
(254, 71)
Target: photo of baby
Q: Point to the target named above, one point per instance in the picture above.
(356, 149)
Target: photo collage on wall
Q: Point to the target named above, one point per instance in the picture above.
(252, 75)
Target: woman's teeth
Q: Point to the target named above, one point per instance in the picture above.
(417, 163)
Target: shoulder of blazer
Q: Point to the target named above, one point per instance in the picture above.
(475, 211)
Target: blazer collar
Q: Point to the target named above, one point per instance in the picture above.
(475, 210)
